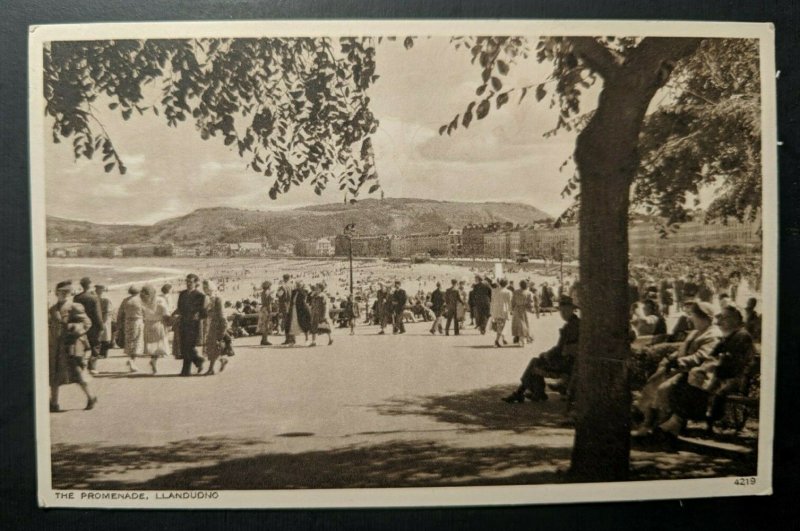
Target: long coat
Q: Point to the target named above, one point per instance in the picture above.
(215, 328)
(67, 346)
(320, 324)
(298, 305)
(521, 304)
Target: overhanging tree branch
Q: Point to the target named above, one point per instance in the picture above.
(596, 56)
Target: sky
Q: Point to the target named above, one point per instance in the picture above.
(503, 157)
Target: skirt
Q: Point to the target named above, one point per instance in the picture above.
(155, 339)
(134, 338)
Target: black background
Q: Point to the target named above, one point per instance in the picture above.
(17, 440)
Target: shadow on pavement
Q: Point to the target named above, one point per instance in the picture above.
(391, 464)
(483, 409)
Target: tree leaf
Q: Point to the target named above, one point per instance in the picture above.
(502, 67)
(540, 92)
(374, 188)
(465, 121)
(496, 83)
(483, 109)
(524, 92)
(502, 99)
(408, 42)
(108, 167)
(442, 129)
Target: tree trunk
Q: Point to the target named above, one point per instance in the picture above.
(607, 159)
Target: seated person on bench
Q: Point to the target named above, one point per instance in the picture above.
(698, 390)
(558, 360)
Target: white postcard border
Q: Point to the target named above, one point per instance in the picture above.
(393, 497)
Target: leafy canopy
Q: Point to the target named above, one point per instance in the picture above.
(704, 132)
(295, 108)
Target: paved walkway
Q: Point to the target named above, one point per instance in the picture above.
(368, 411)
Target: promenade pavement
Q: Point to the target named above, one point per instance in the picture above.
(367, 411)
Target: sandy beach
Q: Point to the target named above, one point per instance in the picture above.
(240, 278)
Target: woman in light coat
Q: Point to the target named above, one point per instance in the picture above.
(216, 328)
(521, 304)
(500, 309)
(155, 335)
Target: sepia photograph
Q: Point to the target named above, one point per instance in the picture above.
(402, 263)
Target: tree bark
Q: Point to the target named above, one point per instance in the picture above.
(607, 159)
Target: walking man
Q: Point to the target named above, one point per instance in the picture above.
(437, 306)
(452, 298)
(399, 299)
(191, 311)
(483, 299)
(91, 305)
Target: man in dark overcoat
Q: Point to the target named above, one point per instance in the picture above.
(483, 300)
(190, 312)
(91, 305)
(399, 299)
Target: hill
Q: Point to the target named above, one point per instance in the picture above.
(371, 216)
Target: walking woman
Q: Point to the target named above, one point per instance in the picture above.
(320, 323)
(68, 347)
(265, 313)
(521, 304)
(131, 319)
(499, 310)
(155, 335)
(216, 327)
(298, 320)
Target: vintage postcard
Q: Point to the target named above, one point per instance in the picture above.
(402, 263)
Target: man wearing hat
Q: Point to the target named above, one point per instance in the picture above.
(67, 345)
(91, 305)
(452, 299)
(482, 300)
(559, 359)
(701, 393)
(399, 299)
(191, 311)
(107, 311)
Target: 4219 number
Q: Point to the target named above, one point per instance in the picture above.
(744, 481)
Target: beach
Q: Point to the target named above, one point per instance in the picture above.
(240, 278)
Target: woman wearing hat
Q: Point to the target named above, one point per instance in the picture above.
(216, 328)
(265, 312)
(67, 345)
(654, 401)
(155, 313)
(131, 318)
(320, 324)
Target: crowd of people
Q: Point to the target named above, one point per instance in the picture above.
(704, 357)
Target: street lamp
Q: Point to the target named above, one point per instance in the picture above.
(349, 230)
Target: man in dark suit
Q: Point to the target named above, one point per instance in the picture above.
(399, 299)
(91, 304)
(559, 359)
(191, 311)
(451, 299)
(483, 300)
(437, 306)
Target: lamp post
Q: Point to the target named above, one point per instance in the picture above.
(349, 229)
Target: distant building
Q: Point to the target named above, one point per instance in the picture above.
(324, 247)
(250, 249)
(147, 250)
(646, 240)
(454, 243)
